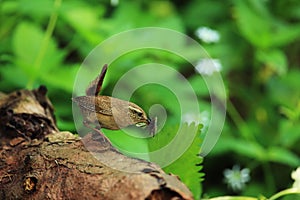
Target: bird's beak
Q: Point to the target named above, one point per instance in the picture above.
(148, 121)
(143, 124)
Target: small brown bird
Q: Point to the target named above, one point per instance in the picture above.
(110, 113)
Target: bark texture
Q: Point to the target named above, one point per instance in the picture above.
(37, 161)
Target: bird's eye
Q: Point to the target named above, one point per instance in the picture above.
(136, 111)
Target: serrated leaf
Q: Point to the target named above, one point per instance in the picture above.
(188, 166)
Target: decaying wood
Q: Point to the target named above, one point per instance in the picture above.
(39, 162)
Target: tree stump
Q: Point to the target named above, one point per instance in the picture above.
(37, 161)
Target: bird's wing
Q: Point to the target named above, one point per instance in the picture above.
(103, 105)
(99, 104)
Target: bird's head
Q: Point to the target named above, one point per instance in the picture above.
(138, 115)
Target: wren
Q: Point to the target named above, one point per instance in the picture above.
(108, 112)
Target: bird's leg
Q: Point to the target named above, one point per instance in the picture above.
(153, 126)
(95, 86)
(101, 135)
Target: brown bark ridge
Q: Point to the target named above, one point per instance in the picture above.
(37, 161)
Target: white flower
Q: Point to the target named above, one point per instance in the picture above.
(202, 118)
(296, 176)
(207, 35)
(235, 178)
(114, 2)
(208, 66)
(190, 118)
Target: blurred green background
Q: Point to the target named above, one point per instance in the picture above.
(45, 42)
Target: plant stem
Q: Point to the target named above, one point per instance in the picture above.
(239, 122)
(269, 179)
(44, 45)
(285, 192)
(233, 198)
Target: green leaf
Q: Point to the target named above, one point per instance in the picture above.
(33, 53)
(63, 78)
(260, 28)
(284, 156)
(257, 152)
(8, 80)
(209, 13)
(233, 198)
(284, 90)
(27, 42)
(199, 85)
(242, 147)
(289, 133)
(188, 166)
(29, 8)
(252, 24)
(160, 14)
(85, 20)
(130, 142)
(274, 59)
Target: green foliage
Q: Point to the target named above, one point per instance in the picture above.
(259, 27)
(258, 50)
(189, 165)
